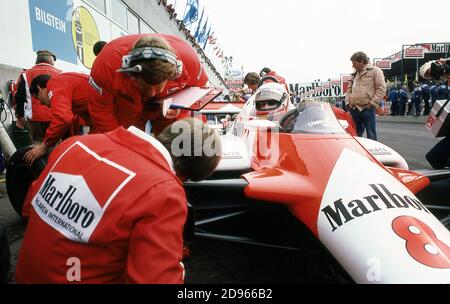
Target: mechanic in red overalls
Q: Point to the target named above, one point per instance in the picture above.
(132, 70)
(29, 108)
(118, 217)
(66, 95)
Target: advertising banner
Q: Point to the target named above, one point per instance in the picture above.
(384, 64)
(67, 28)
(51, 28)
(317, 89)
(414, 52)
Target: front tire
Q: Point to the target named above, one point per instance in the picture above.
(19, 177)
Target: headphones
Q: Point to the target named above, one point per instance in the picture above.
(149, 53)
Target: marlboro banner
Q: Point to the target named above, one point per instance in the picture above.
(317, 89)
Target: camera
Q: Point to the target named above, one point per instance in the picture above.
(438, 70)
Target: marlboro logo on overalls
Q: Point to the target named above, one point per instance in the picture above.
(73, 199)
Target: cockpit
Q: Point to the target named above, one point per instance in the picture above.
(311, 118)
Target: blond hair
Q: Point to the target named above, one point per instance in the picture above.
(195, 149)
(154, 71)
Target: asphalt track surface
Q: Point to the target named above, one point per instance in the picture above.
(215, 262)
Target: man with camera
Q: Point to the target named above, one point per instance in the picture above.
(439, 155)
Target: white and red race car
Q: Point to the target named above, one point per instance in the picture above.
(348, 204)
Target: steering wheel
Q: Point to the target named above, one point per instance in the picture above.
(261, 81)
(287, 122)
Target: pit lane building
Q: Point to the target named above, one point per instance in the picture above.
(404, 64)
(70, 28)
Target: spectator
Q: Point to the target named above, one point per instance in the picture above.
(367, 88)
(416, 99)
(393, 98)
(29, 108)
(426, 98)
(403, 100)
(252, 80)
(68, 96)
(119, 217)
(132, 71)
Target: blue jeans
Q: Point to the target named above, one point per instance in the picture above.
(365, 119)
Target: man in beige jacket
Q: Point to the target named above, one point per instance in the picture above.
(364, 94)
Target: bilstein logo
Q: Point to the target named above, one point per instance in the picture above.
(381, 198)
(84, 35)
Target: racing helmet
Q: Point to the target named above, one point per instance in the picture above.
(271, 99)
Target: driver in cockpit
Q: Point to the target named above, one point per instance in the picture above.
(271, 102)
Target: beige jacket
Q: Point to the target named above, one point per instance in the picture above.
(367, 87)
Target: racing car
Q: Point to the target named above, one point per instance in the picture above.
(293, 178)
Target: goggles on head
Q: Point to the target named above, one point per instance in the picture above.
(149, 53)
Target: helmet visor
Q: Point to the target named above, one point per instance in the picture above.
(268, 100)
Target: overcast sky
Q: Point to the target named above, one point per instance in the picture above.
(306, 40)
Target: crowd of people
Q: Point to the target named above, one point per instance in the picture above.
(417, 100)
(112, 198)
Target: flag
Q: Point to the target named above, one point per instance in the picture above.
(197, 32)
(213, 41)
(206, 38)
(191, 12)
(202, 36)
(211, 38)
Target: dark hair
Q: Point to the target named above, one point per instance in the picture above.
(198, 137)
(264, 72)
(251, 78)
(43, 59)
(45, 56)
(360, 57)
(39, 81)
(98, 47)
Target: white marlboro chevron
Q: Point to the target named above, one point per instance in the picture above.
(66, 203)
(377, 229)
(69, 203)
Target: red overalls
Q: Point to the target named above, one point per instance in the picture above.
(33, 108)
(106, 209)
(69, 94)
(118, 101)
